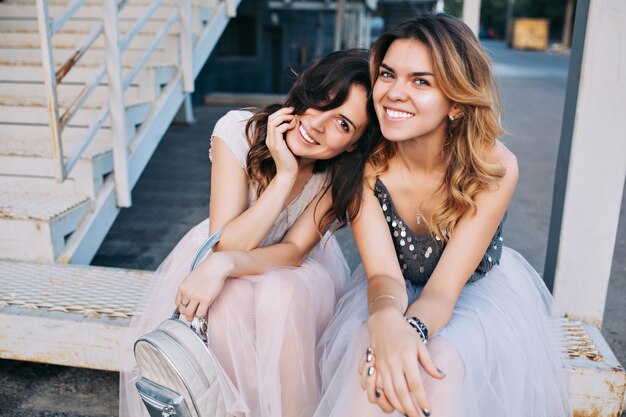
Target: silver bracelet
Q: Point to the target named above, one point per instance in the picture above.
(380, 297)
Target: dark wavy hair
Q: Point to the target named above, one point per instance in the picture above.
(324, 85)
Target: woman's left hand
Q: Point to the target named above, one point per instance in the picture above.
(202, 286)
(398, 353)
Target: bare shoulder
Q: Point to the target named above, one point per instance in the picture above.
(501, 155)
(370, 175)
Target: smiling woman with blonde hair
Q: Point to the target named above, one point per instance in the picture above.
(443, 320)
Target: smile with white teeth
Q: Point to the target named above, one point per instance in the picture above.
(396, 114)
(306, 136)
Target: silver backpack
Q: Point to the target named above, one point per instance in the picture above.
(178, 376)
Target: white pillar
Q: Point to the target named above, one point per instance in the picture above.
(589, 187)
(471, 14)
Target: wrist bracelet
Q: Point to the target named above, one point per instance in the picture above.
(419, 327)
(380, 297)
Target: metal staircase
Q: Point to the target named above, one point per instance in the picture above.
(87, 90)
(80, 116)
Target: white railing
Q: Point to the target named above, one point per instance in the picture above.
(115, 108)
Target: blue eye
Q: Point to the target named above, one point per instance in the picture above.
(385, 74)
(421, 82)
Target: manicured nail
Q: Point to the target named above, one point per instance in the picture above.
(368, 357)
(377, 393)
(426, 412)
(370, 371)
(442, 373)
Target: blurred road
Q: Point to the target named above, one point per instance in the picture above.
(172, 195)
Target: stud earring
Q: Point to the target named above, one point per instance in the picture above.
(451, 117)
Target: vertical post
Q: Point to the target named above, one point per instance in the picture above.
(471, 14)
(339, 4)
(50, 80)
(591, 163)
(567, 24)
(231, 8)
(116, 102)
(186, 45)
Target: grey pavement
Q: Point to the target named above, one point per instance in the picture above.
(172, 195)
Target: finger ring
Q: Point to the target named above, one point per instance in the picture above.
(185, 304)
(370, 371)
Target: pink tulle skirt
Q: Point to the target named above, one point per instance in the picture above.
(263, 329)
(499, 351)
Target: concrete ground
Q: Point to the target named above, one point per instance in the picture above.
(172, 195)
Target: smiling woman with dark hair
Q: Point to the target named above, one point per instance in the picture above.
(280, 178)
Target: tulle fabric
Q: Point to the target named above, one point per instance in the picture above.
(262, 329)
(499, 351)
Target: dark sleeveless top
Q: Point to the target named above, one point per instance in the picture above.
(418, 255)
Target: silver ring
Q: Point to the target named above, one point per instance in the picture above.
(185, 304)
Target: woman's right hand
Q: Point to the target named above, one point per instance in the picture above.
(201, 286)
(278, 123)
(398, 353)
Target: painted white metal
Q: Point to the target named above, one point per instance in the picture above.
(207, 39)
(471, 14)
(79, 51)
(149, 51)
(51, 90)
(69, 12)
(116, 102)
(130, 36)
(79, 315)
(231, 7)
(82, 97)
(186, 45)
(597, 168)
(595, 385)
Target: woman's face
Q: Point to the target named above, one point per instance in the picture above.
(326, 134)
(407, 99)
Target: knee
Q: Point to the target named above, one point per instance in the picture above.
(446, 357)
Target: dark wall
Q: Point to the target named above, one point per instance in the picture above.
(259, 48)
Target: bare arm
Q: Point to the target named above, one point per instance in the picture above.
(245, 227)
(398, 349)
(203, 285)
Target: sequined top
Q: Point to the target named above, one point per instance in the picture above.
(418, 255)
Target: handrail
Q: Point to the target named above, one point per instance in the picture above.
(82, 97)
(69, 12)
(146, 55)
(126, 40)
(78, 53)
(115, 108)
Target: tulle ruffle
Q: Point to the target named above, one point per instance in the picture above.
(262, 329)
(499, 350)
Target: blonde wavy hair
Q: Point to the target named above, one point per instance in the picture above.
(464, 75)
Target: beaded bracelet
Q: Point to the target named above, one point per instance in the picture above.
(419, 326)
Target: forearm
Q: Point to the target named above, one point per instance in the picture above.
(433, 309)
(238, 263)
(248, 230)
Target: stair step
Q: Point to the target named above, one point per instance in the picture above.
(68, 40)
(93, 57)
(35, 141)
(84, 118)
(88, 11)
(70, 315)
(34, 94)
(34, 226)
(81, 26)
